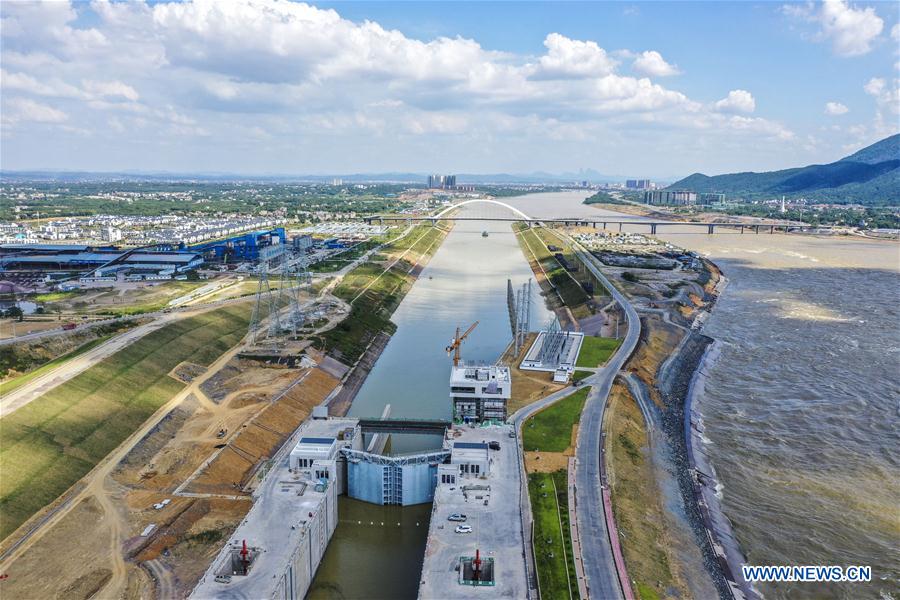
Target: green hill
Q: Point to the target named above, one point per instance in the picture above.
(886, 149)
(870, 176)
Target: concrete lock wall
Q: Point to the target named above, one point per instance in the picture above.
(298, 575)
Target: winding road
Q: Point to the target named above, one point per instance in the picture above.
(596, 548)
(599, 564)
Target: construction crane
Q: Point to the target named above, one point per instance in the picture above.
(457, 341)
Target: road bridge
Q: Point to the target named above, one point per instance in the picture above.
(653, 226)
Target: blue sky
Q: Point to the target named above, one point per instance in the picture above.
(659, 89)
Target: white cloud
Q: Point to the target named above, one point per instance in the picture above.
(567, 58)
(737, 101)
(851, 30)
(23, 109)
(887, 98)
(874, 87)
(307, 80)
(895, 32)
(110, 89)
(652, 63)
(835, 108)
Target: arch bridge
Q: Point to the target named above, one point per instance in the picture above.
(606, 222)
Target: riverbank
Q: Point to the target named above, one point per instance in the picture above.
(673, 304)
(374, 290)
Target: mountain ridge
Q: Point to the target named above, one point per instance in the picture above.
(868, 176)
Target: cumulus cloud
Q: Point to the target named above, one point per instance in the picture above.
(574, 58)
(851, 30)
(652, 63)
(737, 101)
(291, 73)
(887, 97)
(874, 87)
(835, 108)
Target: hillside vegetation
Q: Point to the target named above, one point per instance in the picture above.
(870, 176)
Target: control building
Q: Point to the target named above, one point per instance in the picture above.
(480, 392)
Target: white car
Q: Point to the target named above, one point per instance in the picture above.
(463, 529)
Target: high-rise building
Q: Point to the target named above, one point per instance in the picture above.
(638, 184)
(442, 182)
(671, 198)
(110, 234)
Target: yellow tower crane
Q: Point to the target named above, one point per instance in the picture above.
(457, 341)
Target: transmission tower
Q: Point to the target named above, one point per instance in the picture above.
(265, 307)
(270, 321)
(523, 314)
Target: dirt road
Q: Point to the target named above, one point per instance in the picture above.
(99, 485)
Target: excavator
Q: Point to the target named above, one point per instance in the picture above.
(457, 341)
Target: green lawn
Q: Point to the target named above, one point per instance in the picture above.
(551, 429)
(47, 445)
(579, 375)
(596, 350)
(552, 542)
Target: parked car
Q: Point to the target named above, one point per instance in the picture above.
(494, 445)
(456, 517)
(463, 529)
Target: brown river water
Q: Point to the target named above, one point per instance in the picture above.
(802, 403)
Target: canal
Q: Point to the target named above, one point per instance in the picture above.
(376, 551)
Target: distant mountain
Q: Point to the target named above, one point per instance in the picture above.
(870, 176)
(886, 149)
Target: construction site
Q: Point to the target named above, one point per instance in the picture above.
(186, 471)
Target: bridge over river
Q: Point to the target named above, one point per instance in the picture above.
(604, 221)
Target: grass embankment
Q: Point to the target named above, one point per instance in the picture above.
(375, 289)
(595, 351)
(570, 291)
(20, 359)
(15, 383)
(551, 429)
(636, 502)
(552, 539)
(50, 443)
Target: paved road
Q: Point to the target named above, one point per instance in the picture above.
(596, 551)
(599, 566)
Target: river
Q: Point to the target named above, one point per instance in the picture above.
(801, 405)
(376, 551)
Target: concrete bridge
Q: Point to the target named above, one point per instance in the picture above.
(609, 223)
(606, 222)
(389, 425)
